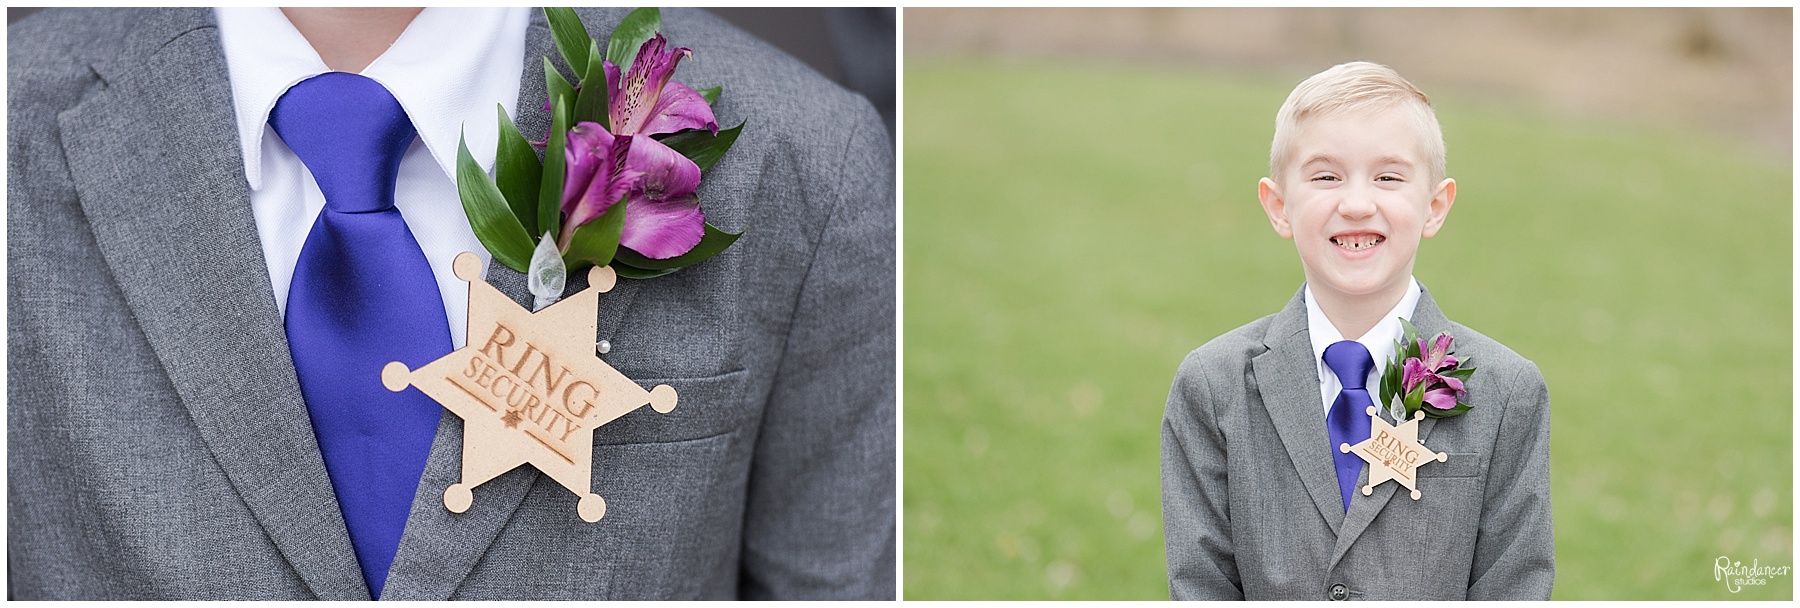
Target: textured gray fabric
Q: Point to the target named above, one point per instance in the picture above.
(158, 446)
(1251, 505)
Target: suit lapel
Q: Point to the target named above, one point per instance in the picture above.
(1429, 321)
(1288, 381)
(439, 549)
(154, 156)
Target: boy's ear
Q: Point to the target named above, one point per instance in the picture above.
(1274, 206)
(1440, 207)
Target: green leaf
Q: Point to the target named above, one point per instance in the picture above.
(1409, 349)
(1409, 334)
(517, 169)
(711, 95)
(631, 272)
(550, 187)
(1460, 373)
(711, 243)
(493, 223)
(572, 40)
(595, 242)
(637, 27)
(702, 147)
(590, 101)
(1414, 400)
(1390, 383)
(555, 84)
(1432, 412)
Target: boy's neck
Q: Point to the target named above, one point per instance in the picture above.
(1355, 315)
(349, 39)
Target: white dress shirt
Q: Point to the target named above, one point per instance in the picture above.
(1379, 340)
(448, 70)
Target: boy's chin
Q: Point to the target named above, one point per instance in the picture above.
(1357, 286)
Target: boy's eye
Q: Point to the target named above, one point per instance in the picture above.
(1388, 178)
(1325, 178)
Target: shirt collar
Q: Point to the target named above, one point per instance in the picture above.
(448, 70)
(1379, 339)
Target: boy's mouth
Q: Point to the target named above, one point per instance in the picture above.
(1357, 242)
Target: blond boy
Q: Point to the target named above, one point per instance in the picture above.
(1259, 502)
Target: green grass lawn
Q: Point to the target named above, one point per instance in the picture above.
(1071, 231)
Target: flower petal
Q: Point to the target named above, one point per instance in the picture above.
(664, 219)
(1441, 398)
(678, 108)
(632, 99)
(588, 147)
(1439, 348)
(1446, 364)
(667, 174)
(1412, 372)
(611, 180)
(606, 191)
(612, 91)
(663, 229)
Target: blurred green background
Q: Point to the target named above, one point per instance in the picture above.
(1073, 227)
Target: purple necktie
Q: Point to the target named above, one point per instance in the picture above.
(1348, 421)
(362, 296)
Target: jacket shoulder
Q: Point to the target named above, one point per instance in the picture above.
(1212, 377)
(62, 42)
(775, 92)
(1489, 354)
(773, 85)
(1222, 357)
(51, 56)
(1232, 348)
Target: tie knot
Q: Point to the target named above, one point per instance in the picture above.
(1351, 362)
(351, 133)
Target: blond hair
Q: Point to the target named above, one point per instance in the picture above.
(1357, 85)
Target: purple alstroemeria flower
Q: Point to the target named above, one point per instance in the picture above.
(1441, 392)
(597, 175)
(1438, 357)
(645, 101)
(663, 219)
(1412, 372)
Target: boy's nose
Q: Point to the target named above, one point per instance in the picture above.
(1356, 204)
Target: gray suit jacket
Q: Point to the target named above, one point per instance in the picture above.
(158, 446)
(1251, 506)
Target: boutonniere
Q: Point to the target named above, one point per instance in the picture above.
(1425, 377)
(1422, 380)
(627, 148)
(613, 194)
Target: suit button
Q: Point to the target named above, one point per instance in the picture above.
(1339, 592)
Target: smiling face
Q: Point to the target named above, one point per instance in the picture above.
(1356, 195)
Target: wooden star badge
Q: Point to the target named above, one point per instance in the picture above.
(529, 388)
(1393, 452)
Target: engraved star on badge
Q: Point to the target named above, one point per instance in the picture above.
(1393, 452)
(529, 388)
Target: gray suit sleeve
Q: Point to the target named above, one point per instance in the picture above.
(820, 521)
(1515, 548)
(1196, 517)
